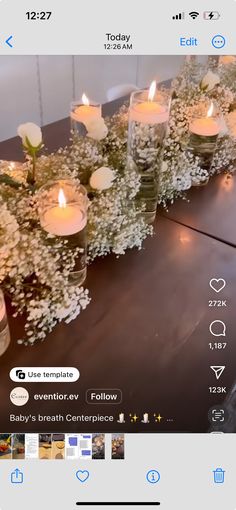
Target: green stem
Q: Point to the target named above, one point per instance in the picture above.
(32, 171)
(34, 165)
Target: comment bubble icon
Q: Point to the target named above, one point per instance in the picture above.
(217, 328)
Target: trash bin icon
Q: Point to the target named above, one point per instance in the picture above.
(219, 475)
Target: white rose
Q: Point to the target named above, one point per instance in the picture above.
(97, 129)
(209, 81)
(102, 178)
(30, 132)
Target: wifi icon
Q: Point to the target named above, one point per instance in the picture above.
(194, 14)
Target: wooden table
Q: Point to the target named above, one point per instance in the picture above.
(146, 330)
(209, 209)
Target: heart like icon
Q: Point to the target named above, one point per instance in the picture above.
(217, 284)
(82, 475)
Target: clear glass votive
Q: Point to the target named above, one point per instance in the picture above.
(4, 329)
(204, 130)
(63, 208)
(82, 113)
(148, 121)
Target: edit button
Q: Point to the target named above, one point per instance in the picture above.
(188, 41)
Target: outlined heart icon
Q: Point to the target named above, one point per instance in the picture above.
(82, 475)
(217, 284)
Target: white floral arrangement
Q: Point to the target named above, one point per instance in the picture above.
(180, 169)
(30, 272)
(30, 268)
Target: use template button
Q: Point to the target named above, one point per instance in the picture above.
(95, 396)
(44, 374)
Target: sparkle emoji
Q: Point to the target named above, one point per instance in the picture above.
(158, 418)
(134, 418)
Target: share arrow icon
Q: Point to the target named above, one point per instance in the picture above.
(218, 371)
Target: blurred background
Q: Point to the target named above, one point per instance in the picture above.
(40, 88)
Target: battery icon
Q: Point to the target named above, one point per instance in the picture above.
(211, 15)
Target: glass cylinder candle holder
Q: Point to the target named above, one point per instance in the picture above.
(4, 329)
(204, 130)
(82, 113)
(148, 120)
(63, 213)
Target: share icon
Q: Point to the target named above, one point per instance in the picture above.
(218, 371)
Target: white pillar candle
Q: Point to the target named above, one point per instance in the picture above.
(86, 112)
(63, 219)
(150, 111)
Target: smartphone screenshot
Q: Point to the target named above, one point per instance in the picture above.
(117, 254)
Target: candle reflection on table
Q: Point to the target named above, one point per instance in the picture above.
(227, 182)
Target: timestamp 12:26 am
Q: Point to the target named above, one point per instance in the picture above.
(118, 46)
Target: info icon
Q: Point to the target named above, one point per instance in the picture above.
(153, 476)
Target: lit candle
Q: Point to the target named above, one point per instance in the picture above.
(150, 111)
(205, 126)
(86, 112)
(204, 129)
(63, 219)
(148, 121)
(62, 208)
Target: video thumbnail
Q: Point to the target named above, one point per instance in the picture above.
(117, 250)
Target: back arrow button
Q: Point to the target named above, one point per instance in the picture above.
(8, 41)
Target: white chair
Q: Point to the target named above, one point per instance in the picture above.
(120, 90)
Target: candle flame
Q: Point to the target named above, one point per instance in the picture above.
(152, 90)
(85, 100)
(210, 111)
(61, 198)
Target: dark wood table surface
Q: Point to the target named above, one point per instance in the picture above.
(146, 330)
(209, 209)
